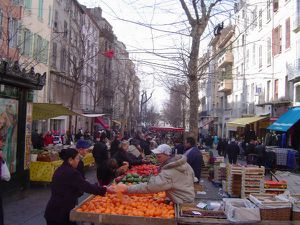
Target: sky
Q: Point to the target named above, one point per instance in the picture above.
(164, 17)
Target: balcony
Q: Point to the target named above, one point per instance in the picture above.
(225, 86)
(296, 25)
(293, 71)
(225, 59)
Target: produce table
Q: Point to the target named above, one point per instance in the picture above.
(43, 171)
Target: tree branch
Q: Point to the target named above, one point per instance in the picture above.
(187, 12)
(196, 10)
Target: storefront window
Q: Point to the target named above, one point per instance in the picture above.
(297, 94)
(8, 131)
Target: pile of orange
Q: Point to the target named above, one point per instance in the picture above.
(145, 205)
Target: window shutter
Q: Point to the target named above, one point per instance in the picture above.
(287, 33)
(274, 42)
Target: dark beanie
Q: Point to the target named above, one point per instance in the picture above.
(68, 153)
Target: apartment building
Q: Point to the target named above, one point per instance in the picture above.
(264, 48)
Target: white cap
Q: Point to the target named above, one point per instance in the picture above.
(163, 149)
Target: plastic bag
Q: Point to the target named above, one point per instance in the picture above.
(5, 174)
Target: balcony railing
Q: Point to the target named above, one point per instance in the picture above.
(225, 59)
(225, 85)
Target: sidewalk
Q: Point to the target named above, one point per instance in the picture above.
(28, 207)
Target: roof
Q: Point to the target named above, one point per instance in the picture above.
(286, 121)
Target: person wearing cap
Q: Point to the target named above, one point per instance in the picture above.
(82, 147)
(176, 177)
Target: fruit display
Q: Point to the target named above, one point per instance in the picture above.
(144, 170)
(143, 205)
(131, 179)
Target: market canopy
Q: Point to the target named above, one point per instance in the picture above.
(42, 111)
(286, 121)
(92, 115)
(166, 129)
(242, 122)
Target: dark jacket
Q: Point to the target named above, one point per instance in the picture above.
(145, 146)
(123, 156)
(67, 186)
(233, 149)
(80, 168)
(195, 159)
(100, 153)
(114, 147)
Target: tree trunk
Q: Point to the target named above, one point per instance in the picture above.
(72, 106)
(193, 81)
(124, 113)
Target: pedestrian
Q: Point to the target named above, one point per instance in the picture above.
(194, 156)
(67, 186)
(35, 139)
(48, 139)
(176, 177)
(100, 153)
(123, 156)
(1, 180)
(115, 145)
(145, 145)
(215, 141)
(260, 151)
(233, 151)
(82, 147)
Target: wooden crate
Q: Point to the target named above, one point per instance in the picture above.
(109, 219)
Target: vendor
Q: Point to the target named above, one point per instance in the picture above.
(176, 177)
(67, 186)
(82, 147)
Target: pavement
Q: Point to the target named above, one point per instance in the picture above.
(28, 207)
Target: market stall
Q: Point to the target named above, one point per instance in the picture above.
(42, 171)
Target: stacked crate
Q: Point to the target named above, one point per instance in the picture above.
(234, 180)
(252, 180)
(275, 187)
(205, 166)
(219, 172)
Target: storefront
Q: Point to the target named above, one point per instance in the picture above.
(16, 95)
(255, 126)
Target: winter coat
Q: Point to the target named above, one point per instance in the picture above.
(100, 153)
(67, 186)
(176, 178)
(123, 156)
(195, 159)
(134, 151)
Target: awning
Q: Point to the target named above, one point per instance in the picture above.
(102, 122)
(286, 121)
(92, 115)
(242, 122)
(42, 111)
(117, 122)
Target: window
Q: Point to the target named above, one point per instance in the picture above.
(13, 33)
(49, 16)
(39, 48)
(40, 9)
(276, 90)
(275, 5)
(28, 5)
(27, 45)
(269, 53)
(1, 21)
(268, 90)
(54, 54)
(254, 18)
(65, 29)
(268, 10)
(253, 54)
(297, 95)
(260, 19)
(63, 59)
(247, 59)
(260, 56)
(287, 33)
(276, 40)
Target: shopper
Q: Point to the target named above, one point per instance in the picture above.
(82, 147)
(123, 156)
(48, 139)
(194, 156)
(1, 203)
(233, 151)
(176, 177)
(67, 186)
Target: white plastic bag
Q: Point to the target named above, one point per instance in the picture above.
(5, 174)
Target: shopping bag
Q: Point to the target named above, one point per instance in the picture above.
(5, 174)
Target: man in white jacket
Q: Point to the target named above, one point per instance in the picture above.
(176, 177)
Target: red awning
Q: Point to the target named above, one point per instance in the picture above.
(102, 122)
(166, 129)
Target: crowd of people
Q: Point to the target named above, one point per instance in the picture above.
(179, 168)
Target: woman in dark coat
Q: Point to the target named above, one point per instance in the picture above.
(67, 186)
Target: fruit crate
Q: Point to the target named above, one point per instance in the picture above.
(112, 219)
(252, 180)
